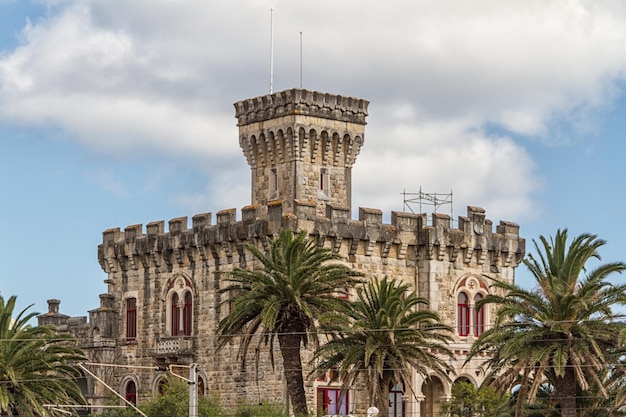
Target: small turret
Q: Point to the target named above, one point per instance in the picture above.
(53, 316)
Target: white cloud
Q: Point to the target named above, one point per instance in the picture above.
(492, 172)
(160, 77)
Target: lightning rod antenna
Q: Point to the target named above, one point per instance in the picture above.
(300, 59)
(271, 50)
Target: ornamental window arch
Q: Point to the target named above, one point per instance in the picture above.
(129, 387)
(202, 382)
(467, 378)
(179, 307)
(160, 384)
(470, 321)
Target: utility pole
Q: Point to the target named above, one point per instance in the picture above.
(193, 391)
(193, 385)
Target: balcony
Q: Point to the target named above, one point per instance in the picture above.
(174, 346)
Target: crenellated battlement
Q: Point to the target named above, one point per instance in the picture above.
(298, 101)
(408, 235)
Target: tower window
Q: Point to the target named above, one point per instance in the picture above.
(273, 184)
(324, 185)
(131, 319)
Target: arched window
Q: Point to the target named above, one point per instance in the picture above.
(175, 315)
(479, 317)
(130, 392)
(187, 314)
(179, 307)
(396, 405)
(162, 386)
(131, 319)
(201, 385)
(463, 319)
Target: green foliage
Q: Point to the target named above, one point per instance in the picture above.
(469, 401)
(385, 337)
(118, 412)
(565, 333)
(36, 364)
(174, 402)
(260, 410)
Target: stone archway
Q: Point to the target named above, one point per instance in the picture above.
(434, 394)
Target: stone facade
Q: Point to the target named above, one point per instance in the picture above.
(162, 304)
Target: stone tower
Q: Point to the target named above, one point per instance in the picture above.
(301, 146)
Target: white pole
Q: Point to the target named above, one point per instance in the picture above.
(112, 390)
(193, 391)
(300, 59)
(271, 51)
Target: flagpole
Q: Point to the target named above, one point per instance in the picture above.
(271, 51)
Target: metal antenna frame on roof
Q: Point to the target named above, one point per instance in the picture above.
(435, 200)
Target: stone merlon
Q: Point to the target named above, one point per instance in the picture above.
(473, 241)
(301, 102)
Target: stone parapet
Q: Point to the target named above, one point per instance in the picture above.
(301, 102)
(474, 242)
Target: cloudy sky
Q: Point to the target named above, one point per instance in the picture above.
(120, 112)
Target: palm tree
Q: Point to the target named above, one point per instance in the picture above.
(35, 365)
(297, 284)
(386, 337)
(563, 333)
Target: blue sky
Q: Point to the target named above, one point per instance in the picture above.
(117, 113)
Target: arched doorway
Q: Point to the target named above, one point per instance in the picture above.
(433, 396)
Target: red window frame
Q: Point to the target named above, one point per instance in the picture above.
(130, 392)
(187, 314)
(131, 319)
(327, 398)
(463, 324)
(175, 313)
(479, 317)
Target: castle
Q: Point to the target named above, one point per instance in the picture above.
(162, 304)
